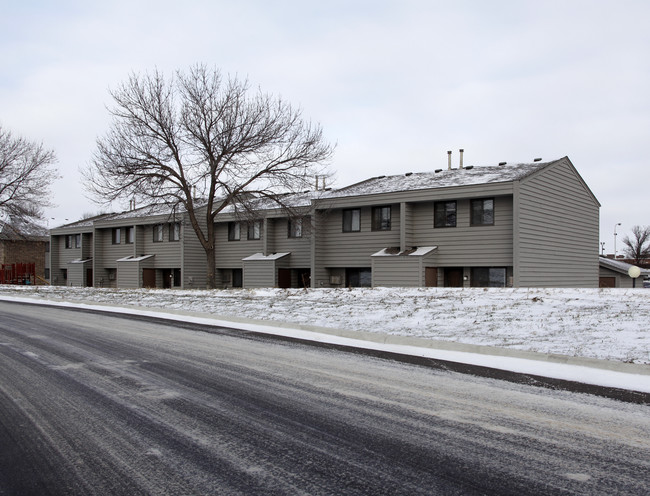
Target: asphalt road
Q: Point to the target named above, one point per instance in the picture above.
(98, 404)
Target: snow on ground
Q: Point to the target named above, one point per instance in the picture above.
(611, 324)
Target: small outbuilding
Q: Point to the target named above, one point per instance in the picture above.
(614, 274)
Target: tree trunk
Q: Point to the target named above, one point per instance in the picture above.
(211, 280)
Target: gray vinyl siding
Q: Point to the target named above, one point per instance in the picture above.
(106, 253)
(259, 274)
(353, 249)
(129, 275)
(397, 271)
(467, 245)
(229, 254)
(167, 253)
(557, 230)
(194, 266)
(622, 280)
(77, 274)
(300, 248)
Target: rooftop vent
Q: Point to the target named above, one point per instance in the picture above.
(537, 159)
(449, 160)
(438, 170)
(503, 163)
(469, 167)
(408, 174)
(461, 158)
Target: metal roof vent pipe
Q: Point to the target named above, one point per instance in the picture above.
(449, 159)
(461, 158)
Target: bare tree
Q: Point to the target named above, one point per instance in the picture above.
(25, 176)
(637, 247)
(200, 135)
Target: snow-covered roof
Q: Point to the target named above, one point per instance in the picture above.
(135, 259)
(261, 256)
(288, 200)
(442, 179)
(16, 229)
(616, 265)
(413, 252)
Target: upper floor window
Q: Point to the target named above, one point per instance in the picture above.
(234, 231)
(69, 241)
(381, 219)
(444, 214)
(295, 228)
(77, 240)
(482, 212)
(117, 236)
(130, 235)
(175, 231)
(158, 233)
(352, 220)
(255, 229)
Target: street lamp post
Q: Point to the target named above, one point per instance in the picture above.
(615, 226)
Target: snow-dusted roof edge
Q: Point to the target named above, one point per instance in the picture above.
(261, 256)
(618, 265)
(417, 252)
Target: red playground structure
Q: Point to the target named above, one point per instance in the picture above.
(18, 273)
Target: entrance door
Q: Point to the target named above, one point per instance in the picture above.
(237, 278)
(454, 277)
(149, 278)
(89, 278)
(168, 278)
(284, 278)
(430, 277)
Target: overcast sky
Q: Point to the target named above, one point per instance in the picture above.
(395, 84)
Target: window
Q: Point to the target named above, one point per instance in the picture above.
(488, 277)
(444, 214)
(234, 231)
(47, 247)
(358, 278)
(77, 240)
(295, 228)
(158, 235)
(381, 219)
(117, 235)
(482, 212)
(68, 241)
(130, 235)
(175, 231)
(47, 273)
(255, 229)
(352, 220)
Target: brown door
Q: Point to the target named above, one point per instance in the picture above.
(89, 278)
(168, 278)
(607, 282)
(454, 277)
(284, 278)
(149, 278)
(430, 277)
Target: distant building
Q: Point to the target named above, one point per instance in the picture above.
(614, 274)
(23, 243)
(520, 225)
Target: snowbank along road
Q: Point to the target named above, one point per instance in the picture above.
(96, 404)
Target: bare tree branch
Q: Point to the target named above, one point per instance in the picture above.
(25, 176)
(201, 132)
(637, 247)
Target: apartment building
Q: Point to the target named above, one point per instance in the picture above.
(520, 225)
